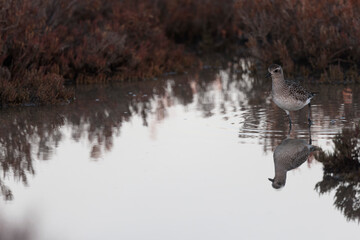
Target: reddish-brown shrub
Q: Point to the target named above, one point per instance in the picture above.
(83, 41)
(207, 23)
(96, 40)
(302, 32)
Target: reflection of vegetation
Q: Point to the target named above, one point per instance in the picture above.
(99, 112)
(25, 132)
(342, 173)
(96, 116)
(344, 161)
(5, 191)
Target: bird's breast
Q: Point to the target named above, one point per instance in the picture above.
(287, 102)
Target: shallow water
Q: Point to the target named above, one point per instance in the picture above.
(184, 157)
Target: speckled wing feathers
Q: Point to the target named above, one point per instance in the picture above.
(299, 158)
(298, 92)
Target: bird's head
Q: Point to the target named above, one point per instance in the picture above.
(276, 183)
(274, 71)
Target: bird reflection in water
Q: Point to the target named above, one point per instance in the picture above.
(290, 154)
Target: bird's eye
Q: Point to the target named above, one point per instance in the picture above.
(276, 70)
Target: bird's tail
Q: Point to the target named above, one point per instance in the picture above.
(314, 148)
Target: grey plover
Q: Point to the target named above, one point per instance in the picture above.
(288, 95)
(290, 154)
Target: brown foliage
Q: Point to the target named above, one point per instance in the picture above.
(204, 22)
(97, 41)
(44, 42)
(302, 32)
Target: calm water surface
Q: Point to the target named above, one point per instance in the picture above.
(184, 157)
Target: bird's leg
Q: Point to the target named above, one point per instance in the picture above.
(309, 116)
(310, 139)
(288, 135)
(288, 114)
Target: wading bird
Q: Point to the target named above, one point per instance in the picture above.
(288, 95)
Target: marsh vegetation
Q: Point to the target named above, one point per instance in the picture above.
(46, 43)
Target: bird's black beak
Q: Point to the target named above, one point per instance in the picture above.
(268, 75)
(271, 179)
